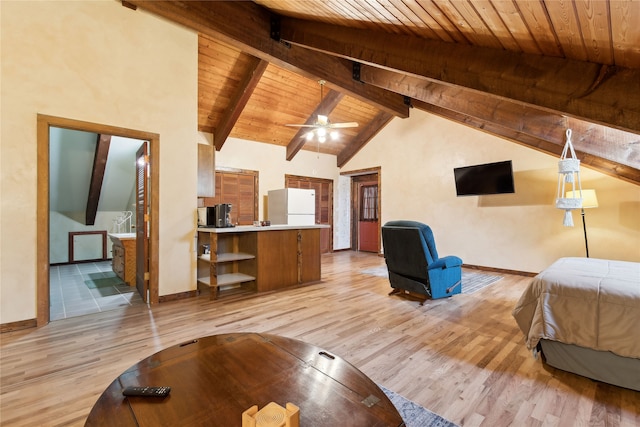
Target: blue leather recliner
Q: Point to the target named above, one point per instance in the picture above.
(413, 262)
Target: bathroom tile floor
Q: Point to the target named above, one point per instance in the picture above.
(70, 296)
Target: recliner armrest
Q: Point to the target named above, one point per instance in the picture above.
(446, 262)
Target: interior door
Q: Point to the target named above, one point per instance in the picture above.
(368, 217)
(365, 211)
(142, 222)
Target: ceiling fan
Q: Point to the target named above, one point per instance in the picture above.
(323, 126)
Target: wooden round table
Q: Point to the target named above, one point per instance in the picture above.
(215, 379)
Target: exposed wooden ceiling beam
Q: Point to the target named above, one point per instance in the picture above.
(539, 143)
(526, 119)
(578, 88)
(325, 107)
(244, 91)
(370, 130)
(247, 26)
(97, 176)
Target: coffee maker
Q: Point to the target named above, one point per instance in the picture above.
(223, 215)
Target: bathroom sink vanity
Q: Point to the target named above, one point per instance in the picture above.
(124, 256)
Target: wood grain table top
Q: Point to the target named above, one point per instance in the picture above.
(215, 379)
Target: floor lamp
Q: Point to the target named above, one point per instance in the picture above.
(589, 200)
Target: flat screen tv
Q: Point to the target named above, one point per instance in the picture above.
(488, 178)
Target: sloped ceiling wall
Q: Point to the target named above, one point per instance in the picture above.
(71, 162)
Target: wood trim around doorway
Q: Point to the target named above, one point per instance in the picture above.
(355, 174)
(45, 122)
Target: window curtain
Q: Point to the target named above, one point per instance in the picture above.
(369, 203)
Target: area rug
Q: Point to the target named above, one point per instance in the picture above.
(471, 281)
(413, 414)
(102, 280)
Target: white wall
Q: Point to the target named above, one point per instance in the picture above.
(521, 231)
(99, 62)
(271, 163)
(61, 223)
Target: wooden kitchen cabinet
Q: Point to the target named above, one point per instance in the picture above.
(309, 250)
(277, 260)
(226, 263)
(249, 259)
(206, 171)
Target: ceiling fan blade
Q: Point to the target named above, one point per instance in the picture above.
(343, 125)
(301, 126)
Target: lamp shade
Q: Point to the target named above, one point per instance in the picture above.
(589, 198)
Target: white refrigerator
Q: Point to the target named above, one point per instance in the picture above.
(292, 206)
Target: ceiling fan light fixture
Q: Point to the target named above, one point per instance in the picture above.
(322, 128)
(323, 120)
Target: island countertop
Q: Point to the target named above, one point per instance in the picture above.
(247, 228)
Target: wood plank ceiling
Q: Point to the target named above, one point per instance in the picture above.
(525, 70)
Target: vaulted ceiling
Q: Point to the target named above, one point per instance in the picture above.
(525, 70)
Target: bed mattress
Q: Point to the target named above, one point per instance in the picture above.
(591, 303)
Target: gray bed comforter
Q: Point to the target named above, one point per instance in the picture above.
(593, 303)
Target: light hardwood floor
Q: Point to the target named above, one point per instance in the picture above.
(462, 357)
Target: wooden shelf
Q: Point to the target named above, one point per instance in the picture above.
(239, 256)
(231, 263)
(232, 278)
(228, 257)
(227, 281)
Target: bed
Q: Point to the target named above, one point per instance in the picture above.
(584, 315)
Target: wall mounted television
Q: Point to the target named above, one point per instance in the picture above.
(488, 178)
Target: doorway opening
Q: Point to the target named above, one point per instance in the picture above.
(44, 124)
(365, 209)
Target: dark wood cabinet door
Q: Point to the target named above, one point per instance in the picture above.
(309, 255)
(277, 259)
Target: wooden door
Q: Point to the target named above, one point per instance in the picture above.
(365, 213)
(142, 222)
(368, 217)
(324, 205)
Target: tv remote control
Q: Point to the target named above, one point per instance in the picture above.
(147, 391)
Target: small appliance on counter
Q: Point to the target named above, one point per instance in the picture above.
(206, 216)
(218, 216)
(223, 215)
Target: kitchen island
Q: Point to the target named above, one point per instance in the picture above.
(249, 259)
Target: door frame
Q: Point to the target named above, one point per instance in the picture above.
(355, 203)
(44, 123)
